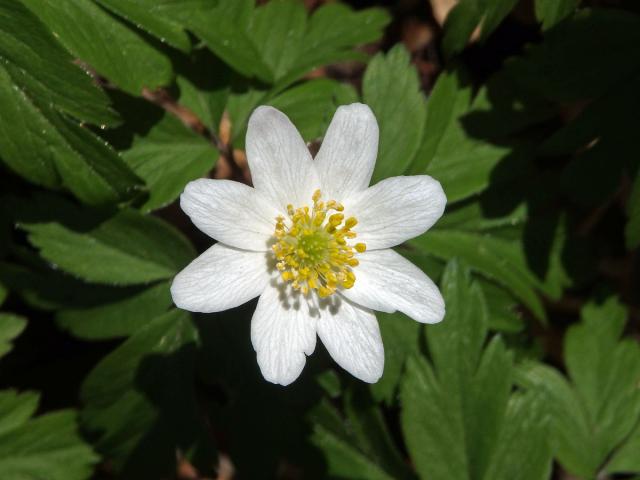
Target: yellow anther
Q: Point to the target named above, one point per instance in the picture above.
(312, 252)
(336, 219)
(351, 222)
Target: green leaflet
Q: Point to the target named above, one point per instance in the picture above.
(39, 141)
(37, 63)
(391, 88)
(595, 413)
(140, 401)
(10, 327)
(125, 249)
(466, 16)
(48, 446)
(106, 44)
(167, 158)
(363, 449)
(143, 15)
(120, 314)
(551, 12)
(459, 416)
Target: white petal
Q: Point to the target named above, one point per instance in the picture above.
(282, 332)
(395, 210)
(348, 152)
(386, 281)
(230, 212)
(219, 279)
(352, 337)
(279, 160)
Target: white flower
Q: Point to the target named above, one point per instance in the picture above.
(313, 240)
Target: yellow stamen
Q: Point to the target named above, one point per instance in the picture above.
(312, 252)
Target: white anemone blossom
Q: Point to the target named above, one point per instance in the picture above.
(313, 240)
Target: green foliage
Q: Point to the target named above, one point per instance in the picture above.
(130, 394)
(39, 142)
(459, 416)
(153, 158)
(365, 450)
(115, 51)
(527, 119)
(143, 14)
(462, 163)
(10, 327)
(469, 15)
(48, 446)
(115, 313)
(550, 12)
(593, 414)
(390, 87)
(125, 249)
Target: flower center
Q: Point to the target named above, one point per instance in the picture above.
(312, 252)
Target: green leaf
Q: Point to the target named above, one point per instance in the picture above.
(594, 415)
(462, 163)
(632, 229)
(569, 436)
(230, 39)
(38, 64)
(141, 14)
(168, 157)
(476, 217)
(311, 105)
(333, 31)
(391, 88)
(45, 447)
(125, 249)
(343, 460)
(115, 51)
(551, 12)
(140, 401)
(439, 116)
(16, 408)
(523, 451)
(38, 142)
(122, 314)
(277, 30)
(368, 427)
(498, 259)
(626, 459)
(466, 16)
(204, 83)
(10, 327)
(49, 149)
(455, 346)
(400, 336)
(239, 108)
(504, 315)
(362, 452)
(266, 42)
(458, 413)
